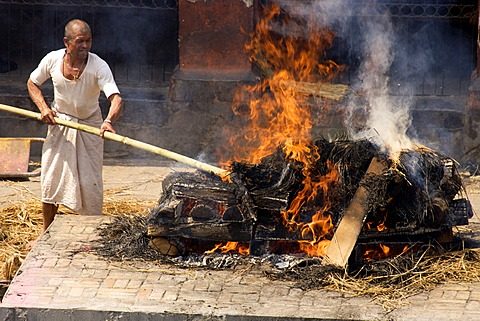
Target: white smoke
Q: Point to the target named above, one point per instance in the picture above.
(320, 12)
(385, 119)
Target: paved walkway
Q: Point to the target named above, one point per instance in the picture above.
(62, 279)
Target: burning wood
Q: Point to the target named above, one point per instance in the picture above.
(320, 89)
(272, 50)
(415, 195)
(291, 194)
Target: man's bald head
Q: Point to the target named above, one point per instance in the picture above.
(76, 27)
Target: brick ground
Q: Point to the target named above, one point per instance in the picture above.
(61, 273)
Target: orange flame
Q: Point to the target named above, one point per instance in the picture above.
(279, 115)
(380, 226)
(241, 248)
(381, 251)
(321, 225)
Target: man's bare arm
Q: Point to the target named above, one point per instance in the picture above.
(47, 114)
(116, 105)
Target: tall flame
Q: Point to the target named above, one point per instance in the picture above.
(321, 225)
(278, 114)
(287, 53)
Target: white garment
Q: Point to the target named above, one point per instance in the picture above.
(76, 98)
(72, 160)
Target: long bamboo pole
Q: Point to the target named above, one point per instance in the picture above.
(124, 140)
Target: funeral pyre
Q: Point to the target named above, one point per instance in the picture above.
(414, 199)
(291, 193)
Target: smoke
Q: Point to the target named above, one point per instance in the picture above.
(386, 119)
(369, 41)
(324, 13)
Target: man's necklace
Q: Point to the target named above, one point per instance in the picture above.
(75, 77)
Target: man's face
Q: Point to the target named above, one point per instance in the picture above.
(79, 45)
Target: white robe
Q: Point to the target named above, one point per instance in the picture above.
(72, 160)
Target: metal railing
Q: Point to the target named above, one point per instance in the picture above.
(149, 4)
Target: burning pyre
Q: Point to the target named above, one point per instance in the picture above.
(287, 191)
(413, 199)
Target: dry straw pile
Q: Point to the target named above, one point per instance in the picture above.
(391, 282)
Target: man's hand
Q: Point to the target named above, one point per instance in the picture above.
(116, 105)
(48, 116)
(106, 126)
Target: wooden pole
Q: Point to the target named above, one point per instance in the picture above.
(124, 140)
(351, 224)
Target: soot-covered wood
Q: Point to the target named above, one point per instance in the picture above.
(415, 192)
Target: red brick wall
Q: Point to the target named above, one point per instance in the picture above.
(212, 34)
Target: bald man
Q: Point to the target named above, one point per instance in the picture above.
(72, 161)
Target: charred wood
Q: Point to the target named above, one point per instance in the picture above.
(420, 192)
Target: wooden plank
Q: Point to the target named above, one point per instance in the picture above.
(349, 228)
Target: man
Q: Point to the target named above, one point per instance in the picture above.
(72, 160)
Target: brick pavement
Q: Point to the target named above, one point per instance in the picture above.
(62, 279)
(62, 273)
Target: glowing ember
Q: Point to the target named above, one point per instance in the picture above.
(382, 251)
(380, 226)
(237, 247)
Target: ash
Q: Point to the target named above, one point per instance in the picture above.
(125, 239)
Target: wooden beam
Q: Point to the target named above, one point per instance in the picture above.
(349, 228)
